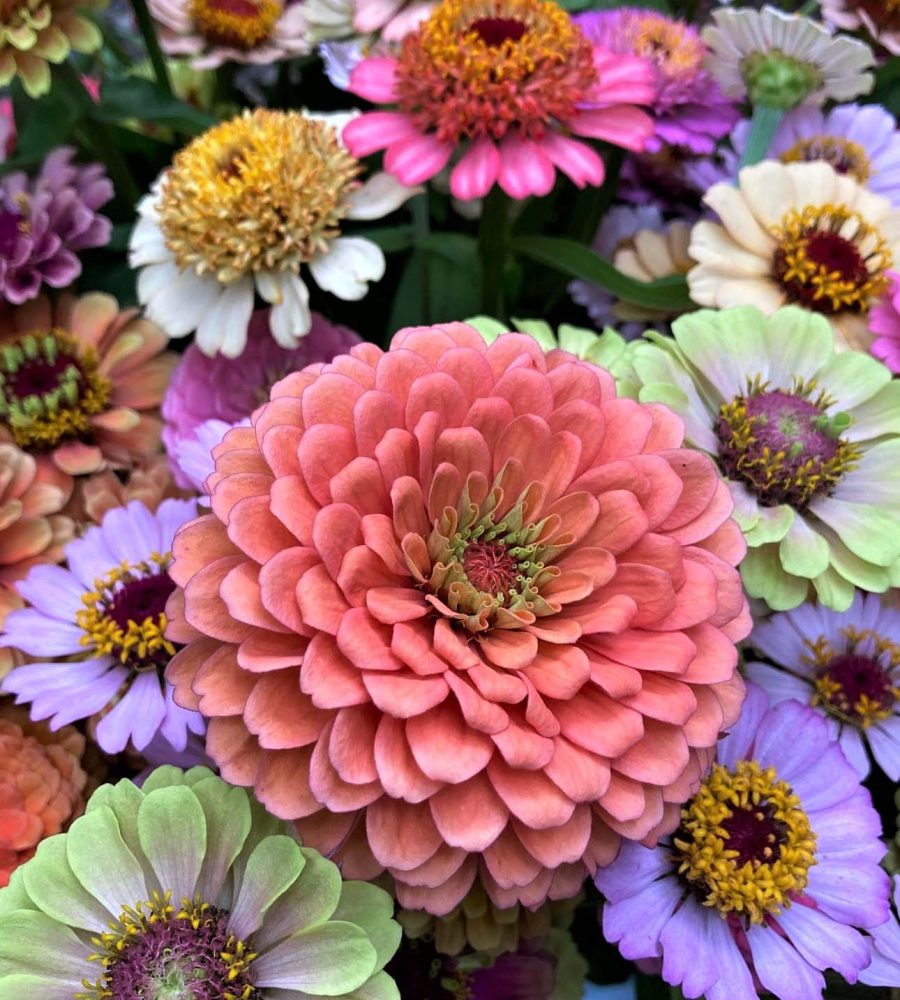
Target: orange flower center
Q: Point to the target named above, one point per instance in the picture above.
(239, 24)
(482, 67)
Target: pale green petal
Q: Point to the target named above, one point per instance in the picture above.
(876, 478)
(14, 896)
(539, 329)
(51, 884)
(379, 987)
(84, 35)
(876, 416)
(869, 532)
(328, 960)
(746, 508)
(272, 867)
(488, 327)
(167, 776)
(102, 862)
(800, 343)
(803, 552)
(582, 342)
(227, 811)
(773, 524)
(724, 346)
(857, 571)
(124, 798)
(834, 591)
(852, 377)
(894, 574)
(311, 900)
(25, 987)
(35, 75)
(765, 577)
(371, 908)
(172, 829)
(32, 942)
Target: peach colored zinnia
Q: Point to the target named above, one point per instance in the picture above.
(463, 592)
(82, 382)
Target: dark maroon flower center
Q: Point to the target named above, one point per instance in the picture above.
(141, 599)
(490, 568)
(853, 685)
(754, 834)
(885, 14)
(494, 31)
(39, 375)
(178, 961)
(783, 446)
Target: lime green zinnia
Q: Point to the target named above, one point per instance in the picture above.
(808, 440)
(186, 889)
(608, 349)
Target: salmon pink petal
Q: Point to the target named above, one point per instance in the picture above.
(470, 815)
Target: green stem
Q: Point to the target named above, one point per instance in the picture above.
(421, 220)
(763, 126)
(157, 59)
(493, 245)
(810, 7)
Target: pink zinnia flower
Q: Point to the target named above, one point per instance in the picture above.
(506, 92)
(884, 323)
(464, 593)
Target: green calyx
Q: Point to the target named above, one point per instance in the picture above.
(778, 80)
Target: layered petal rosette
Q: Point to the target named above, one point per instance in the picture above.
(463, 592)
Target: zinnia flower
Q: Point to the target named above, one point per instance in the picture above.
(638, 243)
(884, 323)
(796, 233)
(45, 222)
(861, 140)
(880, 19)
(185, 888)
(461, 591)
(241, 210)
(228, 390)
(97, 631)
(212, 32)
(193, 454)
(41, 785)
(505, 88)
(34, 33)
(884, 947)
(774, 867)
(149, 481)
(688, 108)
(782, 60)
(806, 438)
(369, 20)
(845, 664)
(81, 382)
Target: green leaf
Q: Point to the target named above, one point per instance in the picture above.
(42, 125)
(391, 239)
(134, 97)
(436, 285)
(579, 261)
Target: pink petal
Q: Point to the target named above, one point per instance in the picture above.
(376, 130)
(416, 159)
(373, 79)
(575, 159)
(622, 125)
(524, 168)
(477, 171)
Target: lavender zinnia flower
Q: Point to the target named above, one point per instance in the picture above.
(230, 389)
(97, 632)
(782, 894)
(690, 109)
(45, 221)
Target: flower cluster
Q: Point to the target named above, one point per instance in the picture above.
(449, 499)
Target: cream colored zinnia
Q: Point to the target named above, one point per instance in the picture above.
(801, 234)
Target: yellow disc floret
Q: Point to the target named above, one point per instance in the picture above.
(239, 24)
(263, 192)
(124, 617)
(50, 388)
(845, 156)
(745, 845)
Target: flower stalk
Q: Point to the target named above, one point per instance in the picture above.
(493, 246)
(155, 53)
(763, 126)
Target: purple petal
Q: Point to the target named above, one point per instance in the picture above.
(636, 923)
(781, 969)
(37, 634)
(735, 746)
(791, 738)
(634, 869)
(53, 590)
(884, 739)
(823, 942)
(689, 957)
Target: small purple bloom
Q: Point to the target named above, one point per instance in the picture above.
(771, 874)
(690, 109)
(230, 389)
(884, 945)
(46, 221)
(846, 664)
(97, 629)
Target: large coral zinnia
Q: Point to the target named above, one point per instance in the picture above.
(463, 592)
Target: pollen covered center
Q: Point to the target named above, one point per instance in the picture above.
(238, 24)
(262, 192)
(829, 259)
(745, 844)
(848, 158)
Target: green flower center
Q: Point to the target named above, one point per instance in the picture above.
(778, 80)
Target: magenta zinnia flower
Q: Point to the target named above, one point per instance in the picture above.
(96, 630)
(229, 389)
(505, 93)
(463, 592)
(772, 871)
(884, 323)
(45, 222)
(689, 108)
